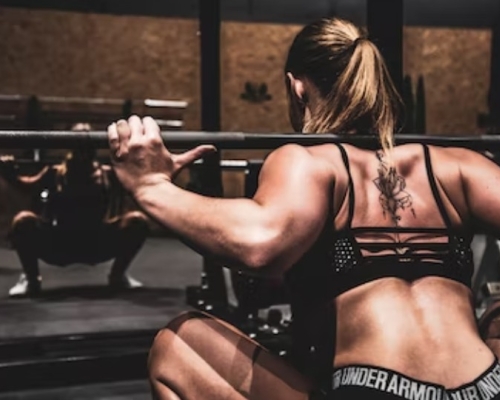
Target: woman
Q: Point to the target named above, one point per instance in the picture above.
(377, 241)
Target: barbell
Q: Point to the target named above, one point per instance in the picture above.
(234, 140)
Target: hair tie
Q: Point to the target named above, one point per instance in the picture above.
(358, 40)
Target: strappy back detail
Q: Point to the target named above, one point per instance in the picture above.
(350, 184)
(435, 191)
(357, 255)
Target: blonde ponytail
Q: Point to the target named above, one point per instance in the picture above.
(356, 93)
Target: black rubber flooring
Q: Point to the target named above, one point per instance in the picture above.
(76, 299)
(133, 390)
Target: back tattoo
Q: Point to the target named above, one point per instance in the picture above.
(393, 196)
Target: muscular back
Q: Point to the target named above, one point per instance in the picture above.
(408, 199)
(394, 322)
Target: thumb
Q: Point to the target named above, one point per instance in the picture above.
(190, 156)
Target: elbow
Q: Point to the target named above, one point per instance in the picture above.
(261, 250)
(256, 259)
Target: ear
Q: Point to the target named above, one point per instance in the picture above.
(297, 86)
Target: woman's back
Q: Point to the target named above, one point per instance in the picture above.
(415, 204)
(403, 300)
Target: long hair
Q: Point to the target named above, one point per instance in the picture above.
(356, 93)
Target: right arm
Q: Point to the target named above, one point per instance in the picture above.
(269, 232)
(480, 178)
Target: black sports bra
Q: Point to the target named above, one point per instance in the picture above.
(350, 262)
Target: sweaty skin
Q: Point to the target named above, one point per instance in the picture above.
(426, 328)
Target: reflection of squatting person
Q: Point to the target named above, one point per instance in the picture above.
(75, 221)
(486, 387)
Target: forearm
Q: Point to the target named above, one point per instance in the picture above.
(229, 229)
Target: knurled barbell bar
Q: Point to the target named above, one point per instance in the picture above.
(234, 140)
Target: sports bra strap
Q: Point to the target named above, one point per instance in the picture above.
(434, 188)
(350, 183)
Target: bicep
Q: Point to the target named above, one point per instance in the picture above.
(481, 181)
(295, 191)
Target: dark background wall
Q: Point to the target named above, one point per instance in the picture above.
(61, 53)
(123, 55)
(436, 13)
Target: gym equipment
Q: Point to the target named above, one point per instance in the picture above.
(234, 140)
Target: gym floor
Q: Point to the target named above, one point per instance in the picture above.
(134, 390)
(76, 300)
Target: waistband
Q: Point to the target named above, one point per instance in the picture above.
(484, 387)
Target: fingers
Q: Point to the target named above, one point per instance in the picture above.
(118, 138)
(144, 131)
(202, 150)
(113, 139)
(151, 130)
(184, 159)
(150, 126)
(136, 131)
(136, 128)
(127, 131)
(124, 134)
